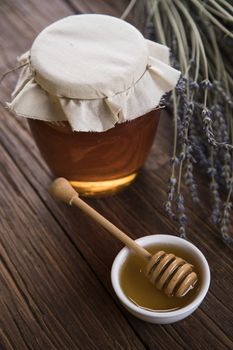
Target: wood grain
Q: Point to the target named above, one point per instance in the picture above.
(55, 269)
(113, 8)
(52, 296)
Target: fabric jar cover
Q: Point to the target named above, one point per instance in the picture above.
(93, 71)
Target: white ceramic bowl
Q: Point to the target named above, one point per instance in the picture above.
(162, 317)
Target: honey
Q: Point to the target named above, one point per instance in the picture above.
(96, 163)
(144, 294)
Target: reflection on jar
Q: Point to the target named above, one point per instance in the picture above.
(96, 163)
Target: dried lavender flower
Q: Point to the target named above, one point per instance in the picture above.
(181, 86)
(193, 85)
(207, 121)
(225, 223)
(182, 218)
(206, 84)
(189, 177)
(216, 212)
(203, 101)
(174, 161)
(226, 168)
(168, 205)
(228, 99)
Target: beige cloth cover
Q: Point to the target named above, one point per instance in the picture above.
(93, 71)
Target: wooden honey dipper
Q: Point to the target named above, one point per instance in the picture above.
(167, 272)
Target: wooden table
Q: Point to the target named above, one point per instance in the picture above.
(55, 262)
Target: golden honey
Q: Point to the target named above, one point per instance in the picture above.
(96, 163)
(144, 294)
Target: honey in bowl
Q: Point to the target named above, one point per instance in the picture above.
(144, 294)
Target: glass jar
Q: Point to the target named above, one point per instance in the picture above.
(96, 163)
(91, 87)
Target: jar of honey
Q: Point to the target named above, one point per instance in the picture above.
(91, 87)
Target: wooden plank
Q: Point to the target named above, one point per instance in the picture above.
(21, 21)
(18, 321)
(131, 202)
(82, 233)
(210, 325)
(113, 8)
(51, 298)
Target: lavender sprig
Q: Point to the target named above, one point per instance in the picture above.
(182, 218)
(203, 124)
(228, 99)
(226, 169)
(216, 212)
(208, 127)
(189, 177)
(207, 121)
(168, 205)
(224, 226)
(181, 86)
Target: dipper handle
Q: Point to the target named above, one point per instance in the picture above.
(62, 190)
